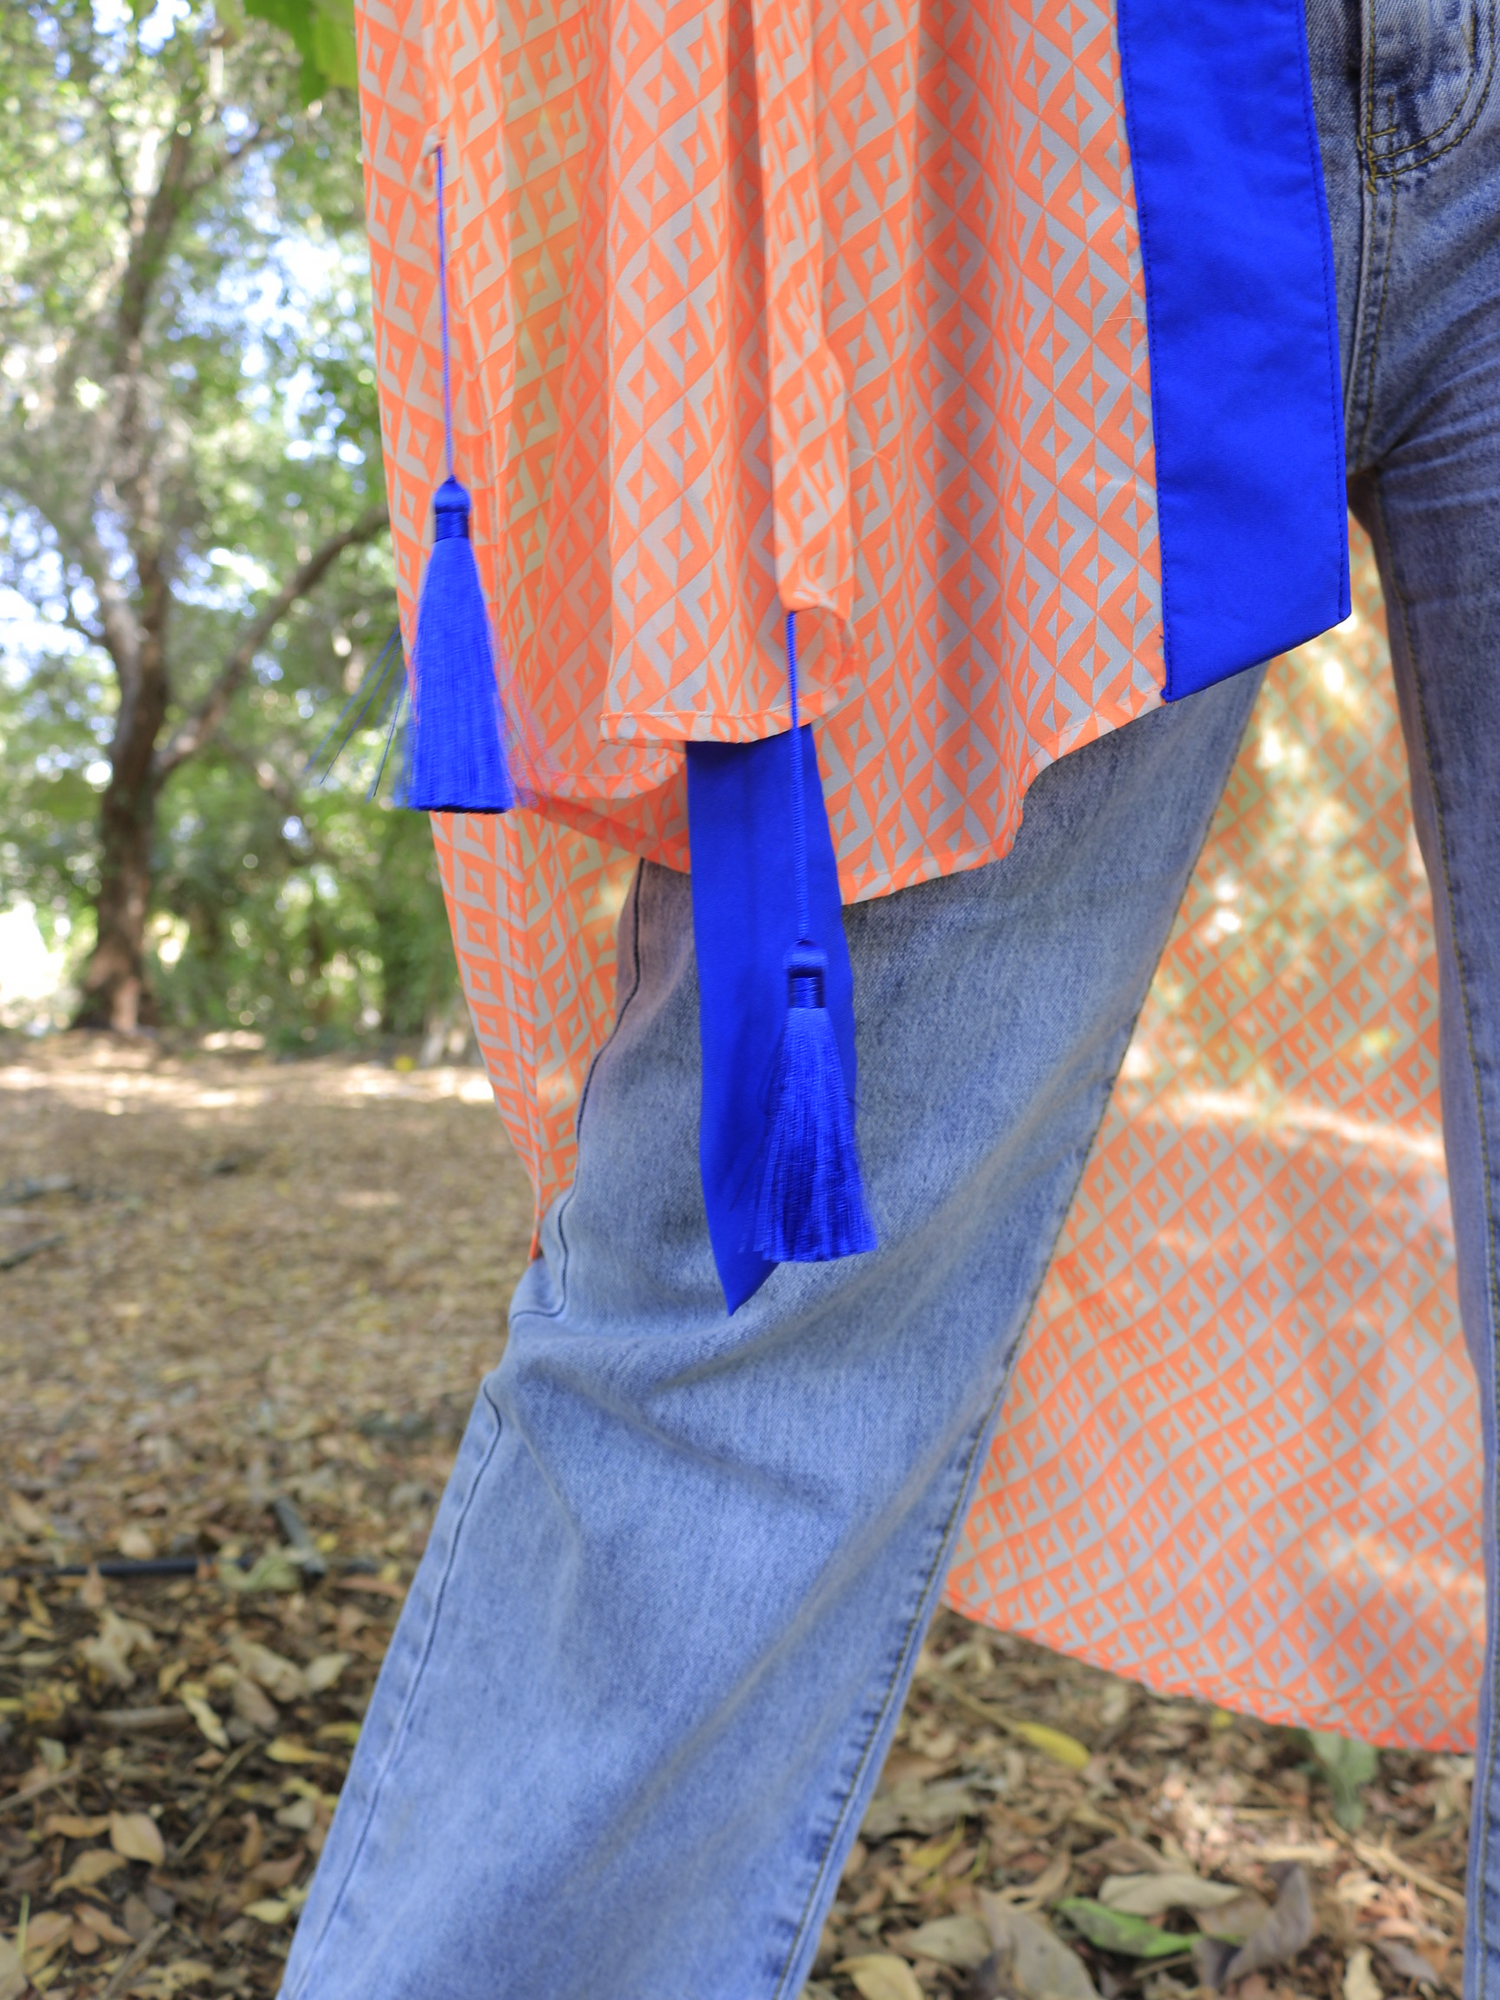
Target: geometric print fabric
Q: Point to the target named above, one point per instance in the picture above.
(834, 305)
(863, 334)
(1239, 1456)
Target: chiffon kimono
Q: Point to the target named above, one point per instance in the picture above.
(998, 342)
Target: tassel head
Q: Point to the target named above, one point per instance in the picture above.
(457, 757)
(811, 1205)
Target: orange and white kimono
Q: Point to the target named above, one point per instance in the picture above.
(940, 326)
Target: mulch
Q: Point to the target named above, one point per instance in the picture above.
(243, 1310)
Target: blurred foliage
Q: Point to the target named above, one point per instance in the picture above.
(304, 912)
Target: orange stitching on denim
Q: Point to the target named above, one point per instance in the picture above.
(1458, 138)
(1457, 112)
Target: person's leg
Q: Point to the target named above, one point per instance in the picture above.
(1424, 439)
(655, 1652)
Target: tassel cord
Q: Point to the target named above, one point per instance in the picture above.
(369, 698)
(442, 236)
(799, 802)
(395, 709)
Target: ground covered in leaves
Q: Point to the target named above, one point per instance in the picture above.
(243, 1310)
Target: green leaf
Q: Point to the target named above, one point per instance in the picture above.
(1117, 1930)
(323, 31)
(1348, 1766)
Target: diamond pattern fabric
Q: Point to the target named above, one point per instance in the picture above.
(935, 438)
(1240, 1453)
(837, 306)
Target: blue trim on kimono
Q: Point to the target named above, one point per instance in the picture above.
(1248, 416)
(1242, 322)
(744, 924)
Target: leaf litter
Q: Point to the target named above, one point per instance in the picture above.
(256, 1382)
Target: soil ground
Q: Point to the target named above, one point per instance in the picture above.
(227, 1283)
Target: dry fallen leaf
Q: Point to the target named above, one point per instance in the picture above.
(1234, 1921)
(323, 1672)
(137, 1837)
(1045, 1888)
(961, 1941)
(1054, 1743)
(72, 1827)
(90, 1867)
(252, 1706)
(135, 1544)
(1035, 1964)
(31, 1523)
(918, 1807)
(137, 1917)
(44, 1934)
(291, 1750)
(1360, 1982)
(12, 1978)
(879, 1976)
(104, 1925)
(254, 1843)
(270, 1910)
(281, 1678)
(1286, 1930)
(198, 1708)
(1407, 1963)
(1153, 1895)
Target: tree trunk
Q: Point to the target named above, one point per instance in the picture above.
(115, 990)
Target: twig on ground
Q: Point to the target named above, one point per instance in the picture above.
(131, 1964)
(36, 1788)
(27, 1250)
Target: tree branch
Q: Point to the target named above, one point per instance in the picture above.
(189, 738)
(275, 786)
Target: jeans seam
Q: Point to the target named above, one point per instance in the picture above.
(915, 1625)
(1411, 166)
(561, 1307)
(398, 1733)
(1387, 259)
(1484, 1780)
(779, 1991)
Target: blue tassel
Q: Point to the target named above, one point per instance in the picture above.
(812, 1200)
(457, 751)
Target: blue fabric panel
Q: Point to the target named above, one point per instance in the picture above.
(744, 923)
(1243, 326)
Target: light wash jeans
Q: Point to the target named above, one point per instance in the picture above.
(651, 1662)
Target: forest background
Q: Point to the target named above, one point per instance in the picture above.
(194, 572)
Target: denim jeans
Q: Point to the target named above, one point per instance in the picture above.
(648, 1670)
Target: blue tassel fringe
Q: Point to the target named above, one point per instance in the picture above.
(812, 1201)
(457, 749)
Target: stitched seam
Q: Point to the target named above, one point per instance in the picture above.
(1385, 289)
(1481, 1794)
(1416, 145)
(583, 1098)
(399, 1732)
(1330, 300)
(917, 1623)
(821, 1872)
(1121, 14)
(1459, 137)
